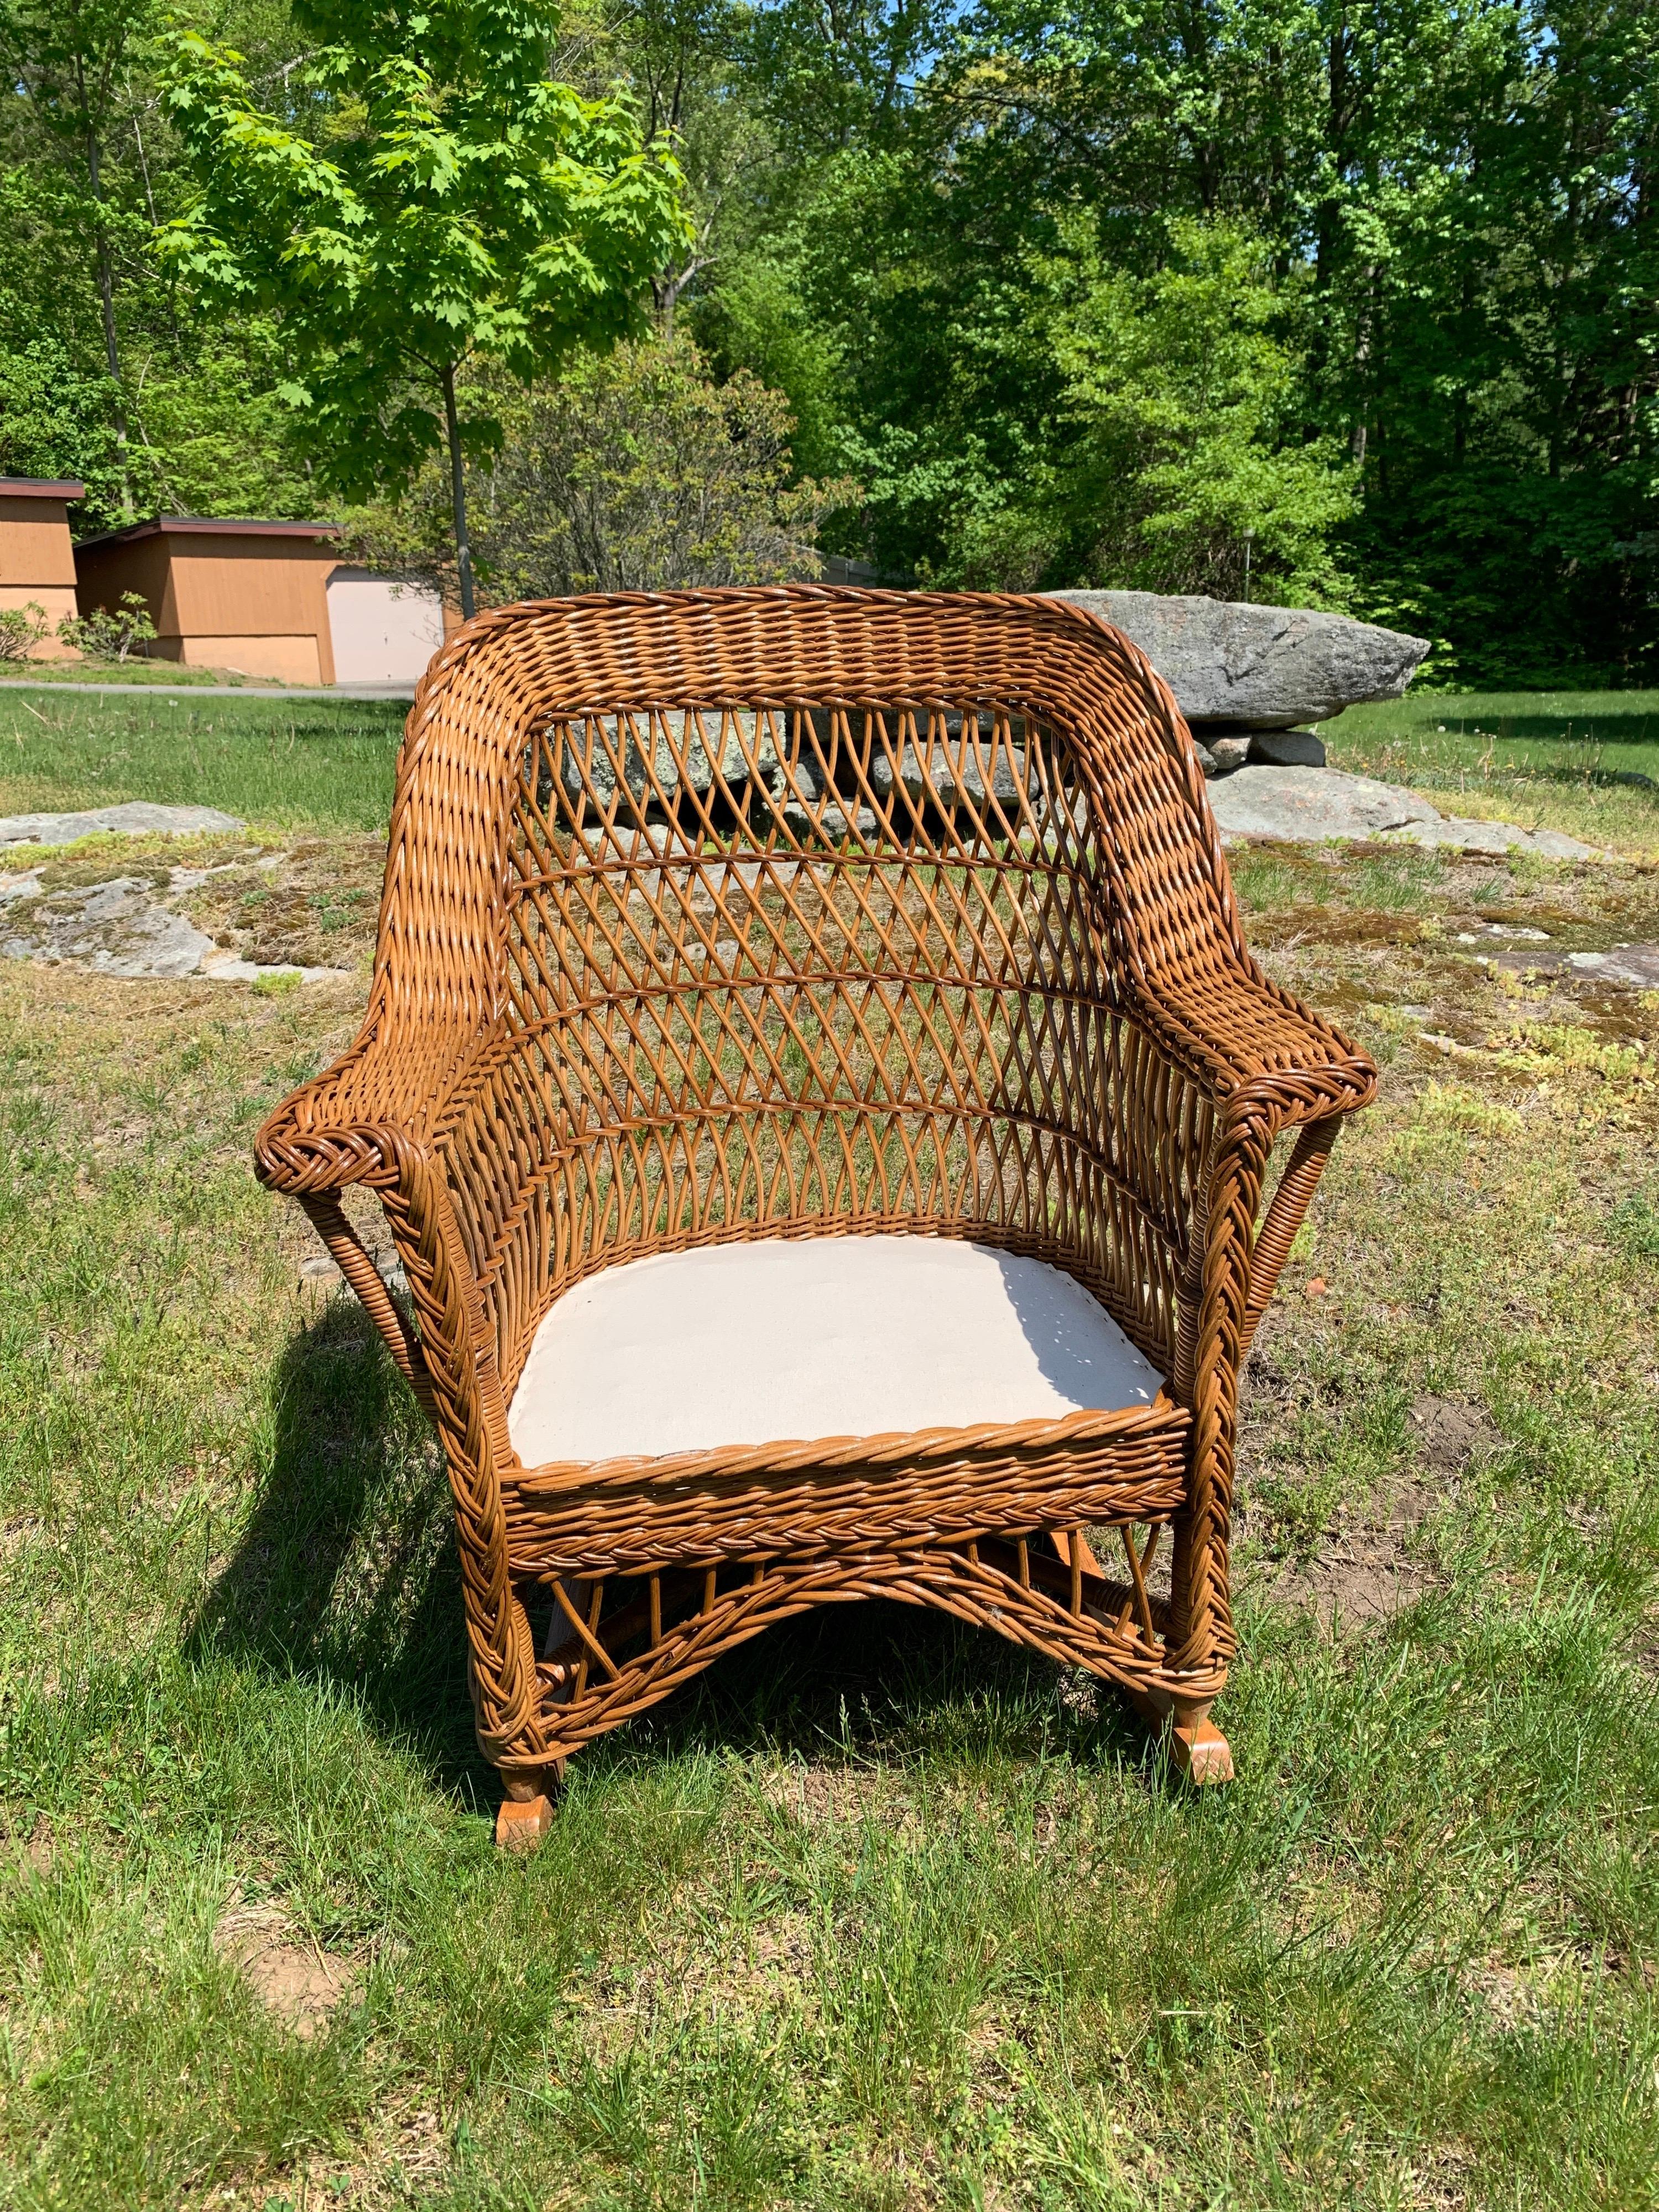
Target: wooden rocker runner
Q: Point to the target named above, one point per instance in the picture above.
(822, 1100)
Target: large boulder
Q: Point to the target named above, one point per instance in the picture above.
(1306, 805)
(1259, 668)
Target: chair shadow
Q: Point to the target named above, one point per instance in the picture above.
(346, 1570)
(882, 1679)
(346, 1573)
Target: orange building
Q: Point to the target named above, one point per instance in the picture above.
(250, 596)
(37, 559)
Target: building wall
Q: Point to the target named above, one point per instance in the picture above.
(384, 631)
(37, 563)
(279, 659)
(55, 603)
(256, 605)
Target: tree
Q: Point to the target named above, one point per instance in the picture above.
(71, 60)
(638, 473)
(634, 472)
(1187, 401)
(676, 54)
(450, 204)
(56, 419)
(1456, 263)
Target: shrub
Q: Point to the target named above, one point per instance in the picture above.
(21, 630)
(635, 472)
(109, 632)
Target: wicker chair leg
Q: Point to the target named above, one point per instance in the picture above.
(1197, 1745)
(1197, 1748)
(526, 1811)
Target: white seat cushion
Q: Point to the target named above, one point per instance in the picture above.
(826, 1336)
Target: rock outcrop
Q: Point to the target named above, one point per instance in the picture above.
(1308, 805)
(136, 817)
(1258, 668)
(1286, 748)
(130, 922)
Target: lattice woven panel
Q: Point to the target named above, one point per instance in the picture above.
(786, 970)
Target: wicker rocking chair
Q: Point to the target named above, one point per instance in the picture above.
(822, 1099)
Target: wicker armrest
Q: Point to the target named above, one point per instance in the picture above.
(365, 1121)
(1252, 1049)
(347, 1124)
(1268, 1064)
(371, 1118)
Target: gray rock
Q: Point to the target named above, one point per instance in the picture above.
(1308, 805)
(1209, 766)
(1286, 748)
(950, 774)
(1634, 966)
(1262, 668)
(1471, 837)
(744, 746)
(114, 928)
(814, 814)
(1556, 845)
(1229, 753)
(137, 818)
(829, 825)
(118, 927)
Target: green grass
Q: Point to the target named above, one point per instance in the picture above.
(880, 1914)
(1554, 759)
(1541, 758)
(120, 671)
(300, 763)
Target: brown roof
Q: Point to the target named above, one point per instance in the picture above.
(196, 525)
(42, 487)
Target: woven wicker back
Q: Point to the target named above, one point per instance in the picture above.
(804, 910)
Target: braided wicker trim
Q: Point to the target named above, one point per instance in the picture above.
(972, 1590)
(701, 1508)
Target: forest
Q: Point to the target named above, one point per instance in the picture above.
(1353, 306)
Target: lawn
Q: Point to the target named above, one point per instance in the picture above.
(1557, 760)
(134, 670)
(882, 1913)
(1543, 759)
(290, 763)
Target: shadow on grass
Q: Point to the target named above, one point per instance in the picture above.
(347, 1571)
(890, 1681)
(1602, 727)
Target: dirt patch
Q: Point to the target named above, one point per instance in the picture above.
(745, 1973)
(299, 1984)
(823, 1796)
(1369, 1565)
(1507, 1995)
(1449, 1435)
(1365, 1570)
(38, 1849)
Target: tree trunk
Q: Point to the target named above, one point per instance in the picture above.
(107, 302)
(458, 495)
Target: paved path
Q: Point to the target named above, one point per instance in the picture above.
(404, 691)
